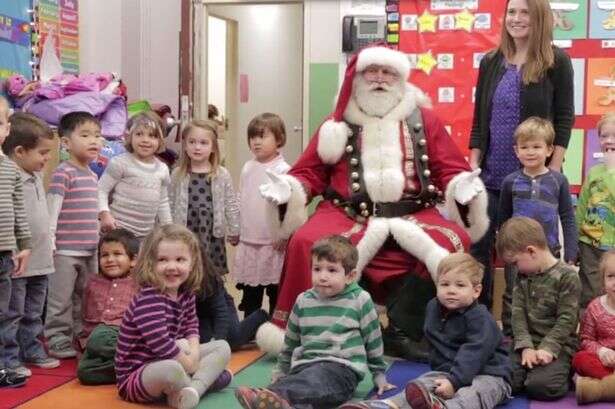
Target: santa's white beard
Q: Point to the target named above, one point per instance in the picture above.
(376, 99)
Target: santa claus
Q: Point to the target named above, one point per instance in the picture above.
(393, 181)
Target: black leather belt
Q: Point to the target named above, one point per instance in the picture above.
(401, 208)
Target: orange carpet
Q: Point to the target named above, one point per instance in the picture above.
(74, 395)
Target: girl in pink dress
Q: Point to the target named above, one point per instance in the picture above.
(595, 360)
(259, 257)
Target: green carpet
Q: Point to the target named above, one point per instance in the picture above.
(258, 375)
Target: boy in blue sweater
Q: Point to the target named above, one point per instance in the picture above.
(470, 366)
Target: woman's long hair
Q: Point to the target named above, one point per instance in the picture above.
(540, 56)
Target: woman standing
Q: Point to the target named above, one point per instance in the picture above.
(525, 76)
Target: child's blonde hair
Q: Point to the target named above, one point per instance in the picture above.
(270, 121)
(5, 107)
(145, 269)
(148, 120)
(519, 232)
(604, 261)
(183, 166)
(534, 128)
(609, 117)
(465, 264)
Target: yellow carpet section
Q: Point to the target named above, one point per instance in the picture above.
(74, 395)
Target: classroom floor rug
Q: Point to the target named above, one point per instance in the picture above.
(41, 381)
(402, 371)
(73, 395)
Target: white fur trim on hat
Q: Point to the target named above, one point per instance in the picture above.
(477, 211)
(384, 56)
(332, 138)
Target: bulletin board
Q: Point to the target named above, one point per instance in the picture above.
(15, 38)
(445, 40)
(62, 18)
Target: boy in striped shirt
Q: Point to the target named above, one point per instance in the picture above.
(72, 200)
(15, 242)
(332, 338)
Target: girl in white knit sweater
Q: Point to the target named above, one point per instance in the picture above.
(133, 191)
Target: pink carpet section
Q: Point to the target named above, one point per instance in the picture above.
(568, 402)
(41, 381)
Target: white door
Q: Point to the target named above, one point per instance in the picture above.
(264, 68)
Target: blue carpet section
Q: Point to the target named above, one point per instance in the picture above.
(400, 372)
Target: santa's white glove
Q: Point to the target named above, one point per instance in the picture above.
(277, 190)
(468, 187)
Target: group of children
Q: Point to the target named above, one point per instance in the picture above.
(145, 306)
(119, 282)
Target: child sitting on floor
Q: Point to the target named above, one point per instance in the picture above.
(595, 361)
(106, 298)
(332, 339)
(470, 366)
(544, 312)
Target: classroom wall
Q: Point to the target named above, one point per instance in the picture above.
(139, 39)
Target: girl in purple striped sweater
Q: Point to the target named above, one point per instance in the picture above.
(158, 352)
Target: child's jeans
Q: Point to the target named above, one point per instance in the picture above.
(6, 268)
(319, 385)
(25, 320)
(66, 287)
(542, 382)
(485, 392)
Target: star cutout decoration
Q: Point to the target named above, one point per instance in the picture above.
(425, 62)
(427, 22)
(464, 20)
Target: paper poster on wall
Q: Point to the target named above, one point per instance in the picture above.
(578, 66)
(449, 40)
(569, 19)
(600, 86)
(602, 19)
(593, 154)
(15, 38)
(573, 161)
(62, 18)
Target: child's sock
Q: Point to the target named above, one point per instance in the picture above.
(185, 398)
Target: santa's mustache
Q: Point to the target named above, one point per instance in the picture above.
(382, 86)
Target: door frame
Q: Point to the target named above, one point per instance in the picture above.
(200, 12)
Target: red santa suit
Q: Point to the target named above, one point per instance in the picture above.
(370, 181)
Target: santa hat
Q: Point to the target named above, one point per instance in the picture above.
(334, 132)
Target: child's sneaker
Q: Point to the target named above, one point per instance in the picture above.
(10, 379)
(369, 404)
(266, 399)
(246, 396)
(43, 362)
(62, 349)
(222, 381)
(420, 398)
(22, 371)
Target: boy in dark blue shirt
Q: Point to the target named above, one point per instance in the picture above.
(469, 362)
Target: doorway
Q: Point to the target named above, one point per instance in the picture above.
(255, 65)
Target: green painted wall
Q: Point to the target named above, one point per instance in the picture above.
(323, 88)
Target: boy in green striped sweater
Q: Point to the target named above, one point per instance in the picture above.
(332, 338)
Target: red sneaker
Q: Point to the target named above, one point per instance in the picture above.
(420, 398)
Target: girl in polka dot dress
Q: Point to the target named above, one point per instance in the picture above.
(202, 195)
